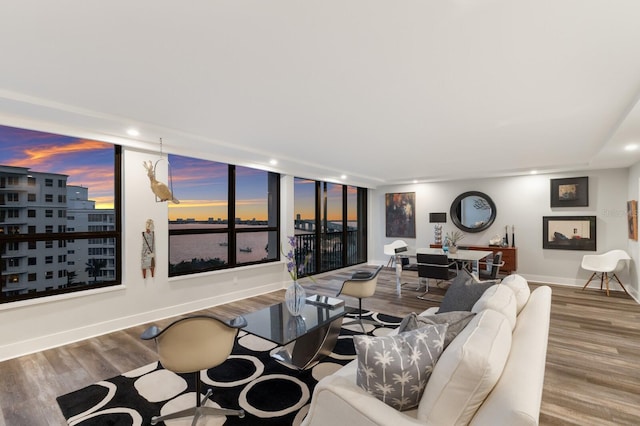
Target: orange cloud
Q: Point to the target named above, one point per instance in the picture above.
(41, 154)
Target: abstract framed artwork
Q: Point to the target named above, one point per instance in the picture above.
(632, 217)
(570, 192)
(569, 232)
(400, 216)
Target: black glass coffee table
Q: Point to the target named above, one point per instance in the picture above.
(303, 339)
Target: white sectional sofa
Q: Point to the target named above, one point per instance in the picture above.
(491, 374)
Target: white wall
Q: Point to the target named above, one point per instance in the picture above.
(31, 326)
(35, 325)
(521, 201)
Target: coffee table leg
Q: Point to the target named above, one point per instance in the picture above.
(310, 347)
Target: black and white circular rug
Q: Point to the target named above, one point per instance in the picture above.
(270, 392)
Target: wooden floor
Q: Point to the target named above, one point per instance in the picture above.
(592, 375)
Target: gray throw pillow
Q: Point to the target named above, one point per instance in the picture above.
(463, 293)
(395, 369)
(456, 321)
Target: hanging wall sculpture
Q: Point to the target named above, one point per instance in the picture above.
(161, 190)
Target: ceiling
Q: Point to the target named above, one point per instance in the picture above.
(383, 92)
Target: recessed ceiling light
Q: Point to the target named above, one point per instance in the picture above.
(415, 181)
(133, 132)
(534, 172)
(273, 162)
(631, 147)
(343, 176)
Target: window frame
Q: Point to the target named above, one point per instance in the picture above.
(32, 240)
(232, 231)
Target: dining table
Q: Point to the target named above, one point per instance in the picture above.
(469, 257)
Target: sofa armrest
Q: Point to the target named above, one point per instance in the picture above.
(339, 401)
(516, 398)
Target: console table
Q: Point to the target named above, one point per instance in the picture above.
(509, 255)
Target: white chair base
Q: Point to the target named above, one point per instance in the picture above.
(198, 412)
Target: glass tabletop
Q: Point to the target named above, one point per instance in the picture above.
(276, 324)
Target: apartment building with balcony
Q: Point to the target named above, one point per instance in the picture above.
(33, 202)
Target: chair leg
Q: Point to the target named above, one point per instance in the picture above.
(421, 296)
(606, 280)
(590, 278)
(620, 282)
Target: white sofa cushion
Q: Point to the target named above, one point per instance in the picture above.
(467, 371)
(499, 298)
(395, 368)
(518, 284)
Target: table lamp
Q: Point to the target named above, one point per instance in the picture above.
(438, 219)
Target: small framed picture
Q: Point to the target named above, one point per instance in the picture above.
(632, 216)
(569, 232)
(570, 192)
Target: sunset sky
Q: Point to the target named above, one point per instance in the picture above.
(87, 163)
(200, 185)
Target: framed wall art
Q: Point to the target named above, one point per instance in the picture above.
(400, 216)
(632, 217)
(569, 232)
(570, 192)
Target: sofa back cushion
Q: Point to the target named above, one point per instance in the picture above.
(467, 371)
(499, 298)
(395, 368)
(520, 287)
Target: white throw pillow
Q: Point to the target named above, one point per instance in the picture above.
(518, 284)
(467, 371)
(499, 298)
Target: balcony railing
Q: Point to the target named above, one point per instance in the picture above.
(330, 251)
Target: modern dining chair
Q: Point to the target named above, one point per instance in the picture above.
(392, 249)
(491, 269)
(604, 264)
(436, 266)
(361, 286)
(192, 344)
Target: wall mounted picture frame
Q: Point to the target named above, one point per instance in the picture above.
(570, 192)
(400, 215)
(632, 217)
(569, 232)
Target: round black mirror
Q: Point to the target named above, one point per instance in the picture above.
(473, 211)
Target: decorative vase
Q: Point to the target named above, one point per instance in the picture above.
(296, 327)
(295, 298)
(453, 249)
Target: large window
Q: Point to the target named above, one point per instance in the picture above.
(228, 216)
(330, 225)
(87, 176)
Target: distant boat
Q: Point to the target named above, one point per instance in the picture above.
(246, 249)
(224, 244)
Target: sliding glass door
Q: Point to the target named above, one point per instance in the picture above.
(330, 225)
